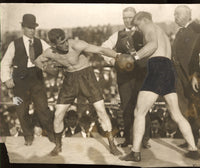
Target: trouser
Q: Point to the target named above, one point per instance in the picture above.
(188, 108)
(128, 92)
(32, 89)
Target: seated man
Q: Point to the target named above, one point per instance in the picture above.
(79, 79)
(71, 124)
(156, 131)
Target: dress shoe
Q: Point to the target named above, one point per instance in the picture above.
(193, 155)
(28, 140)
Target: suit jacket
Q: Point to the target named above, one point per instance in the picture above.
(68, 132)
(186, 48)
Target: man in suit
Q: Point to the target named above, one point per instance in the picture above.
(186, 49)
(71, 123)
(19, 72)
(156, 129)
(129, 83)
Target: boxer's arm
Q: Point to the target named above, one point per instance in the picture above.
(47, 64)
(84, 46)
(151, 44)
(40, 61)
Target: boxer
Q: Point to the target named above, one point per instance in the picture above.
(79, 79)
(160, 80)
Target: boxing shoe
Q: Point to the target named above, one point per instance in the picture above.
(114, 150)
(51, 137)
(58, 148)
(112, 146)
(193, 155)
(132, 156)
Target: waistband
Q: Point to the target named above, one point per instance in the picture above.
(79, 71)
(159, 58)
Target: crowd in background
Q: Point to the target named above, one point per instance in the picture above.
(161, 124)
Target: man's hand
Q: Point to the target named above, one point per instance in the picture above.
(10, 83)
(17, 101)
(112, 62)
(195, 84)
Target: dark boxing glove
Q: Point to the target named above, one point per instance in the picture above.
(125, 62)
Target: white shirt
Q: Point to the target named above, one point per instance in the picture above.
(111, 43)
(7, 61)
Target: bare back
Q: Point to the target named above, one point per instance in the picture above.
(164, 47)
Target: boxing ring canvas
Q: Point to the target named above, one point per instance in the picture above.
(91, 151)
(164, 152)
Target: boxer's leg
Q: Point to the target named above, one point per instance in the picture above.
(106, 125)
(144, 103)
(59, 126)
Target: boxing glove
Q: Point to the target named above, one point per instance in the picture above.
(50, 67)
(125, 62)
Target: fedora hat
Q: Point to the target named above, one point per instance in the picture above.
(29, 21)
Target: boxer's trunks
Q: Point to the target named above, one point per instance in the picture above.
(160, 78)
(80, 82)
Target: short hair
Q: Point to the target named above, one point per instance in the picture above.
(156, 117)
(56, 34)
(131, 9)
(141, 15)
(71, 114)
(186, 9)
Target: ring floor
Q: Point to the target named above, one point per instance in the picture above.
(164, 152)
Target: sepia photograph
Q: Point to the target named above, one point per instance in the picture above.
(100, 84)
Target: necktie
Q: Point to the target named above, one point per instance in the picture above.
(31, 51)
(129, 43)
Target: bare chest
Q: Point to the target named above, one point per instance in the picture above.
(69, 59)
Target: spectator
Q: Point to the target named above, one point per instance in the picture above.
(71, 124)
(156, 131)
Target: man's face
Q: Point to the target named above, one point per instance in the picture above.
(29, 32)
(155, 125)
(181, 17)
(62, 44)
(140, 25)
(72, 121)
(127, 18)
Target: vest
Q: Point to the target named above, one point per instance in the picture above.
(136, 42)
(20, 59)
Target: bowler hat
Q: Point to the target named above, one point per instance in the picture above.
(29, 21)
